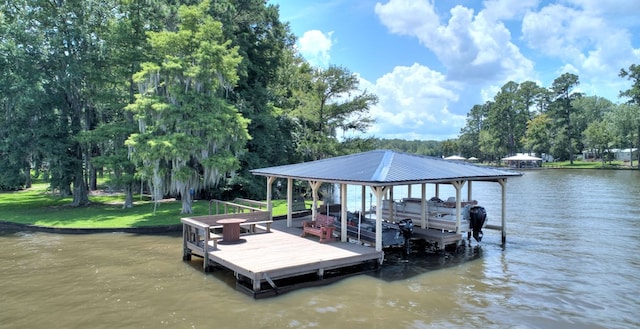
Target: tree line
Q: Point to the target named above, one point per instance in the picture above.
(174, 97)
(557, 121)
(185, 97)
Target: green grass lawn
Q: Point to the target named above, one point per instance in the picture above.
(36, 206)
(577, 164)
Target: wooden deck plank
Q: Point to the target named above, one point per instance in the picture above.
(270, 251)
(283, 253)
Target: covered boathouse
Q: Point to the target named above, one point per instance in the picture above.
(279, 255)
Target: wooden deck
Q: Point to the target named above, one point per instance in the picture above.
(266, 263)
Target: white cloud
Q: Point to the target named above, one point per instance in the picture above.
(315, 46)
(560, 31)
(413, 104)
(619, 8)
(478, 50)
(508, 9)
(475, 48)
(582, 38)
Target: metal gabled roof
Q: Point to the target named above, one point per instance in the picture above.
(385, 167)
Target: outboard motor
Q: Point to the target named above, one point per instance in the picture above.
(406, 229)
(477, 217)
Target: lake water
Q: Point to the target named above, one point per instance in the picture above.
(571, 261)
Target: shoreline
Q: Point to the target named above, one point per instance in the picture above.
(163, 229)
(4, 225)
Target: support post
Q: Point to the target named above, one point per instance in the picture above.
(343, 212)
(503, 184)
(315, 185)
(423, 206)
(363, 200)
(186, 252)
(458, 185)
(270, 181)
(289, 202)
(391, 207)
(205, 250)
(379, 191)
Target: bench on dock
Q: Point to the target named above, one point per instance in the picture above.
(214, 237)
(321, 227)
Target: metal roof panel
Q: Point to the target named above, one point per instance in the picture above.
(385, 167)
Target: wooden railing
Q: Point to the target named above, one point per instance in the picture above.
(236, 206)
(253, 203)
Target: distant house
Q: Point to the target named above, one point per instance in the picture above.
(546, 157)
(588, 155)
(623, 154)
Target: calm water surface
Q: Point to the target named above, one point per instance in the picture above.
(572, 261)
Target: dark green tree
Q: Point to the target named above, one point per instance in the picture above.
(529, 95)
(561, 110)
(598, 137)
(21, 95)
(69, 59)
(538, 136)
(450, 147)
(633, 95)
(190, 135)
(266, 46)
(329, 103)
(588, 110)
(469, 139)
(507, 118)
(624, 122)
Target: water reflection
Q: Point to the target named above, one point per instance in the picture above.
(570, 262)
(399, 266)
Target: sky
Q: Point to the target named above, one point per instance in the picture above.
(430, 62)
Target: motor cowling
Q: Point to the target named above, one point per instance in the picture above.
(477, 218)
(406, 227)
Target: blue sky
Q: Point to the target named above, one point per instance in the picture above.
(429, 62)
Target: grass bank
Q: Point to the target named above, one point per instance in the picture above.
(36, 206)
(577, 164)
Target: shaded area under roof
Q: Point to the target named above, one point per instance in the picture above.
(385, 167)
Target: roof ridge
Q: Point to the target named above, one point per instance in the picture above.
(383, 167)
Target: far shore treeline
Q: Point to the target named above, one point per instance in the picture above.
(183, 98)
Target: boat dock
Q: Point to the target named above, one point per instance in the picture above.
(266, 262)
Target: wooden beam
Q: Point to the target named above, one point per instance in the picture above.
(289, 202)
